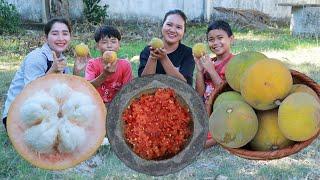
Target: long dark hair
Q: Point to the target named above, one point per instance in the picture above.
(51, 22)
(176, 11)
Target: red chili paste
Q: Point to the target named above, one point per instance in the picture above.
(156, 125)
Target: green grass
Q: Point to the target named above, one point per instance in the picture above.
(301, 54)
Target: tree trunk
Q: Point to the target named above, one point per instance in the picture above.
(207, 10)
(45, 10)
(60, 8)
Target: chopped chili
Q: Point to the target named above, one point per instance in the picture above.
(156, 125)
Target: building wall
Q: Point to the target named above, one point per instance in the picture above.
(29, 10)
(269, 7)
(305, 21)
(155, 10)
(32, 9)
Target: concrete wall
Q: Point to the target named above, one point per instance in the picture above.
(76, 8)
(155, 10)
(29, 10)
(32, 9)
(305, 21)
(123, 9)
(268, 7)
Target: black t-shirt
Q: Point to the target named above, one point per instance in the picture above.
(181, 58)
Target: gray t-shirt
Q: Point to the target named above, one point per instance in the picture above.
(32, 67)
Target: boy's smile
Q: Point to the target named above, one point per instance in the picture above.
(219, 42)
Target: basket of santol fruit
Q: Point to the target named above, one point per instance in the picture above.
(264, 110)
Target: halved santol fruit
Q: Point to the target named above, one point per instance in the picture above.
(265, 84)
(227, 96)
(304, 88)
(237, 66)
(269, 137)
(299, 116)
(233, 124)
(146, 146)
(57, 121)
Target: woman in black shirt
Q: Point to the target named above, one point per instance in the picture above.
(174, 59)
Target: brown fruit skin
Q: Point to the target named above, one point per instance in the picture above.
(233, 124)
(299, 116)
(304, 88)
(156, 43)
(236, 68)
(269, 136)
(109, 56)
(81, 50)
(265, 83)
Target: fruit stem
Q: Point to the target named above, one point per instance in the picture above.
(278, 102)
(229, 110)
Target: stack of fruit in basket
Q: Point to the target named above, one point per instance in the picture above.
(265, 110)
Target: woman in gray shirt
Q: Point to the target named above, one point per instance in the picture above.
(44, 60)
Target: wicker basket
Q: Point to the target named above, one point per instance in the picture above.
(276, 154)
